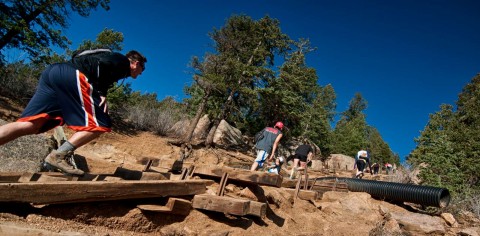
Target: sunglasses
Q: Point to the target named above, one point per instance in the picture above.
(142, 64)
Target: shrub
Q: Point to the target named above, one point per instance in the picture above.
(158, 120)
(18, 81)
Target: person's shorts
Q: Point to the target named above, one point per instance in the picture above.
(261, 157)
(301, 157)
(64, 95)
(361, 163)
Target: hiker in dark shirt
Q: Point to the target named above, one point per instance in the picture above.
(267, 145)
(303, 155)
(74, 93)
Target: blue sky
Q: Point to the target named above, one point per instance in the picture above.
(406, 57)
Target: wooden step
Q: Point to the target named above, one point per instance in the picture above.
(241, 175)
(175, 206)
(89, 191)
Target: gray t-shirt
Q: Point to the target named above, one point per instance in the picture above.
(269, 136)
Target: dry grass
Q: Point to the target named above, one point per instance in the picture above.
(159, 121)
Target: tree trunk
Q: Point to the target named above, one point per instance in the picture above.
(226, 107)
(198, 115)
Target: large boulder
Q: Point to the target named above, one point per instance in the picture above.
(419, 224)
(227, 135)
(179, 129)
(201, 130)
(340, 161)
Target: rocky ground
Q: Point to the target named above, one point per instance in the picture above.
(336, 213)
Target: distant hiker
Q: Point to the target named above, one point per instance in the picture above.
(276, 166)
(359, 153)
(376, 168)
(303, 155)
(388, 168)
(361, 162)
(74, 93)
(267, 145)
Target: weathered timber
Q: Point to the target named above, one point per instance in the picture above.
(12, 177)
(59, 135)
(289, 183)
(303, 194)
(148, 165)
(139, 175)
(48, 178)
(25, 177)
(223, 183)
(175, 206)
(305, 183)
(292, 183)
(246, 176)
(171, 164)
(330, 188)
(88, 191)
(227, 205)
(257, 209)
(110, 178)
(297, 188)
(9, 177)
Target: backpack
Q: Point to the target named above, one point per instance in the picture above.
(79, 53)
(99, 67)
(259, 136)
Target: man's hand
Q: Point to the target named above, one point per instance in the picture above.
(103, 102)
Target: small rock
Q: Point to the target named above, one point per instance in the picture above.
(246, 192)
(392, 227)
(449, 219)
(469, 232)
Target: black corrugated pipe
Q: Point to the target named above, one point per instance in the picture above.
(424, 195)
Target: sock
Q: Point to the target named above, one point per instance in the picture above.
(66, 147)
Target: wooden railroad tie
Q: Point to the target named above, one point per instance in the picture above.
(228, 205)
(176, 206)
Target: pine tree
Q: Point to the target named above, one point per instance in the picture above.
(34, 26)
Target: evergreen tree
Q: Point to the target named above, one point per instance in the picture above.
(449, 146)
(244, 53)
(350, 136)
(289, 96)
(467, 132)
(34, 26)
(350, 133)
(378, 149)
(108, 38)
(436, 149)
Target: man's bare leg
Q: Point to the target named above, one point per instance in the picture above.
(254, 166)
(14, 130)
(81, 138)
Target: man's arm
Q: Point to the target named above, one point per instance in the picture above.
(275, 145)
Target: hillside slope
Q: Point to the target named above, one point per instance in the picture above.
(337, 213)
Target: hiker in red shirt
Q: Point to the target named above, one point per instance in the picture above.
(267, 145)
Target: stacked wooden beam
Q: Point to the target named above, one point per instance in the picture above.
(180, 194)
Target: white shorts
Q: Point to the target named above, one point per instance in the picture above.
(261, 157)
